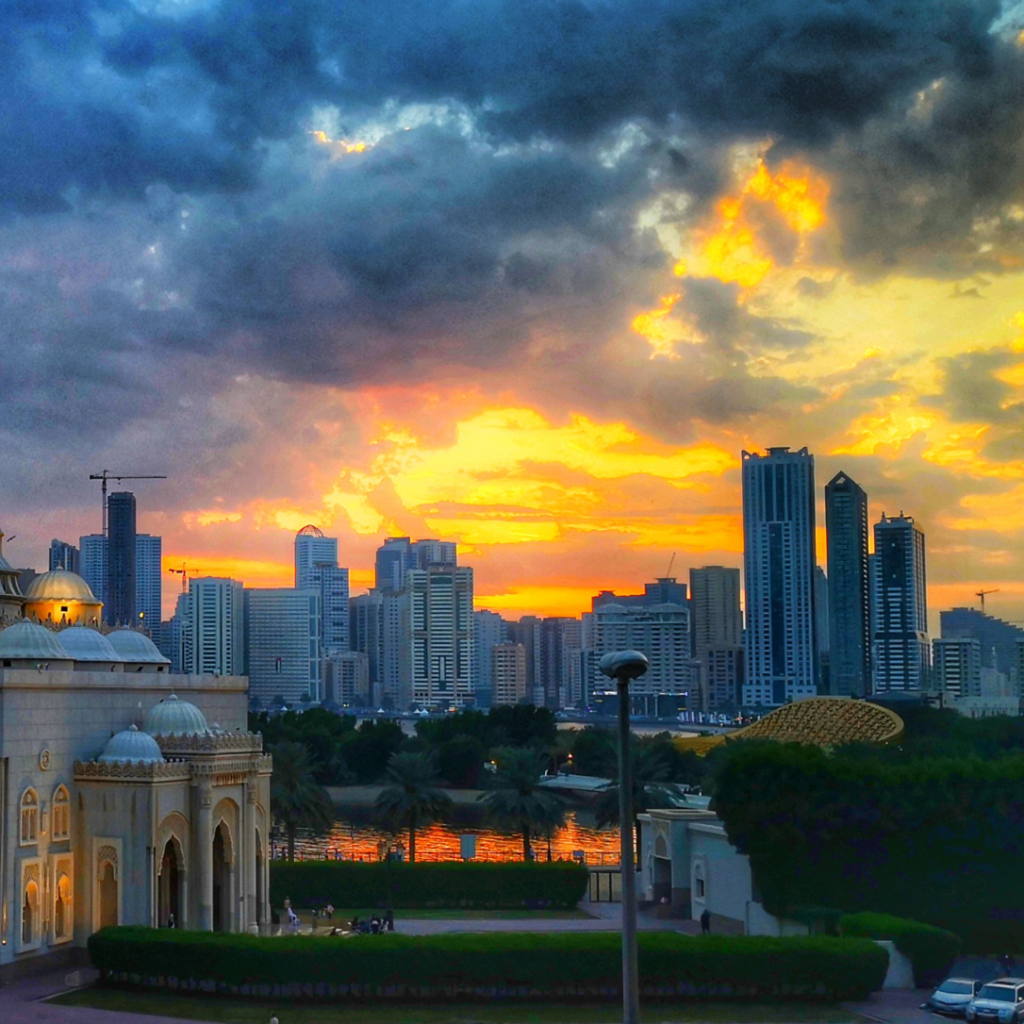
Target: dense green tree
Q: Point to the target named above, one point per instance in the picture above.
(411, 796)
(651, 786)
(436, 731)
(593, 751)
(369, 748)
(523, 725)
(516, 800)
(296, 799)
(460, 761)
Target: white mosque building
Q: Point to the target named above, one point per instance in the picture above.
(127, 795)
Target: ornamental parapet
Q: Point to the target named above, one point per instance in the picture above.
(132, 771)
(212, 743)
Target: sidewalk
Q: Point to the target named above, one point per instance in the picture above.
(19, 1004)
(897, 1006)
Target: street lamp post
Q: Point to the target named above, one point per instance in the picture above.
(623, 667)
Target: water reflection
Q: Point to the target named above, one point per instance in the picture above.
(356, 836)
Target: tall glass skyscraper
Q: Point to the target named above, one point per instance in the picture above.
(312, 548)
(120, 606)
(779, 562)
(148, 582)
(849, 588)
(64, 556)
(900, 629)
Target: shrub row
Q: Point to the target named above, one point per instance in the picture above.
(402, 885)
(931, 950)
(566, 965)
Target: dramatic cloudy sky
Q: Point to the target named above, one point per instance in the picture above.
(526, 274)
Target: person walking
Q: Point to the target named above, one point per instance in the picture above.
(705, 922)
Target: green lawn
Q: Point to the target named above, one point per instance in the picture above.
(227, 1011)
(346, 914)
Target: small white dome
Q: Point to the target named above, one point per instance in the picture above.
(131, 745)
(135, 646)
(173, 717)
(85, 644)
(28, 641)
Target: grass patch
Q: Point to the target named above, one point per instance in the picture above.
(228, 1011)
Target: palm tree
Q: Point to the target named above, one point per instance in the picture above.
(412, 795)
(650, 771)
(517, 800)
(296, 798)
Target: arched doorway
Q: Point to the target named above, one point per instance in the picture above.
(29, 914)
(221, 881)
(169, 888)
(62, 908)
(108, 896)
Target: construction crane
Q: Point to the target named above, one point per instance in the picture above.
(108, 475)
(183, 573)
(671, 562)
(981, 594)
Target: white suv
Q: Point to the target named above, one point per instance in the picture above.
(999, 1002)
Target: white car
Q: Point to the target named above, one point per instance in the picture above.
(999, 1002)
(952, 996)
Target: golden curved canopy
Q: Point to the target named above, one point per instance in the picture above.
(822, 721)
(60, 596)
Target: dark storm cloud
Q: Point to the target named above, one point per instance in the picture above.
(108, 98)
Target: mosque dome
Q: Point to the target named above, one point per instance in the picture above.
(61, 596)
(131, 745)
(59, 585)
(173, 717)
(84, 644)
(28, 641)
(131, 645)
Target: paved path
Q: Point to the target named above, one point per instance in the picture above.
(900, 1006)
(19, 1004)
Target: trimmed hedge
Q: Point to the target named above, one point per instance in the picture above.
(931, 950)
(566, 965)
(483, 886)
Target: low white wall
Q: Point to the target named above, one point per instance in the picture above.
(901, 972)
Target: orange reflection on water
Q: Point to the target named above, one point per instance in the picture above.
(351, 841)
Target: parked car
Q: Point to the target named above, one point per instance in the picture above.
(1000, 1001)
(952, 996)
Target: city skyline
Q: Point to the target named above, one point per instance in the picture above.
(539, 315)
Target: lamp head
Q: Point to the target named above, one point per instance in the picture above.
(624, 664)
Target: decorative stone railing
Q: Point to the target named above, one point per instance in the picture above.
(133, 771)
(212, 743)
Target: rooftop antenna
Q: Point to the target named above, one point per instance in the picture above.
(108, 475)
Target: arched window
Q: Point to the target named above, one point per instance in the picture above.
(61, 814)
(29, 913)
(29, 817)
(698, 882)
(62, 908)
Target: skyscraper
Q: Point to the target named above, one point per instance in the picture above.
(527, 631)
(441, 634)
(332, 583)
(717, 625)
(216, 629)
(779, 561)
(366, 633)
(900, 631)
(508, 674)
(120, 606)
(93, 560)
(849, 588)
(282, 644)
(558, 636)
(64, 556)
(996, 638)
(394, 560)
(312, 548)
(489, 630)
(956, 666)
(148, 582)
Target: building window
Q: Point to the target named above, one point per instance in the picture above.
(698, 882)
(29, 817)
(29, 914)
(61, 814)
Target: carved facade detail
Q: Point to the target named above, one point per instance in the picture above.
(126, 771)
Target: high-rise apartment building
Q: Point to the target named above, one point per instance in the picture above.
(394, 559)
(433, 552)
(527, 631)
(558, 636)
(282, 644)
(849, 588)
(715, 607)
(779, 561)
(64, 556)
(366, 631)
(93, 562)
(347, 678)
(216, 630)
(722, 678)
(120, 606)
(312, 548)
(177, 636)
(148, 582)
(396, 649)
(956, 667)
(332, 582)
(662, 633)
(900, 617)
(489, 630)
(997, 639)
(441, 635)
(508, 678)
